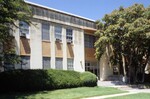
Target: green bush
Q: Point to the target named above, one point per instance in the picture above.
(36, 80)
(88, 79)
(65, 79)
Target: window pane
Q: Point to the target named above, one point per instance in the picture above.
(24, 29)
(45, 32)
(58, 32)
(51, 14)
(89, 41)
(56, 15)
(70, 64)
(46, 62)
(59, 63)
(38, 11)
(69, 33)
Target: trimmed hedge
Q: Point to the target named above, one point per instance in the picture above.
(88, 79)
(36, 80)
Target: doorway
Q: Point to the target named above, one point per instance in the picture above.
(92, 67)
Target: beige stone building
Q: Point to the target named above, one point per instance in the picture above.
(59, 40)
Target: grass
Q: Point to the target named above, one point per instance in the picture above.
(73, 93)
(133, 96)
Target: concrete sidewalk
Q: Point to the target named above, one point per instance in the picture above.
(134, 91)
(130, 90)
(109, 96)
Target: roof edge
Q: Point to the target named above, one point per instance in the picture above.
(28, 2)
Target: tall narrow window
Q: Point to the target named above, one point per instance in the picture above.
(89, 41)
(46, 62)
(70, 64)
(69, 33)
(45, 31)
(25, 62)
(58, 33)
(24, 29)
(59, 63)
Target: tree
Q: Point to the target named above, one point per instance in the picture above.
(10, 12)
(127, 32)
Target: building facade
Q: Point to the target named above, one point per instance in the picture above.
(58, 40)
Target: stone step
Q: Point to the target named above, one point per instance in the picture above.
(110, 83)
(114, 78)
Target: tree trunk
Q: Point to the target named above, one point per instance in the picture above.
(124, 68)
(123, 64)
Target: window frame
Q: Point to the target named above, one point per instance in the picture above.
(58, 33)
(43, 64)
(24, 28)
(45, 32)
(89, 41)
(59, 60)
(70, 64)
(25, 67)
(69, 35)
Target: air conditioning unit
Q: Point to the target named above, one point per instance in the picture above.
(58, 40)
(69, 41)
(23, 35)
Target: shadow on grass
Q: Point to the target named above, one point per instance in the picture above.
(21, 95)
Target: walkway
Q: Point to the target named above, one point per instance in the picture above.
(121, 86)
(109, 96)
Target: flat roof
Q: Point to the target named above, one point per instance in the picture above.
(31, 3)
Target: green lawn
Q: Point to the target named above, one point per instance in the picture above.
(73, 93)
(134, 96)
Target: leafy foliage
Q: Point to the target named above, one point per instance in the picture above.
(11, 11)
(127, 31)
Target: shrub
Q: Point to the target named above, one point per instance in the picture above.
(88, 79)
(35, 80)
(65, 79)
